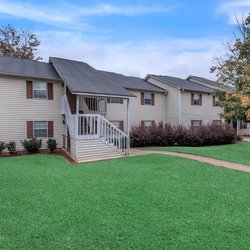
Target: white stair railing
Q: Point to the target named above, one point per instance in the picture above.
(95, 126)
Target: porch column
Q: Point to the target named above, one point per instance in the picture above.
(76, 117)
(128, 126)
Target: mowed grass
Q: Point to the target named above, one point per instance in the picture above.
(144, 202)
(239, 153)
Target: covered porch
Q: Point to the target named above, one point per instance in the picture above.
(85, 120)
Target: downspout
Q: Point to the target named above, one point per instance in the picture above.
(165, 108)
(180, 106)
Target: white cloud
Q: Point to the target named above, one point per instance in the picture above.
(68, 14)
(233, 8)
(174, 57)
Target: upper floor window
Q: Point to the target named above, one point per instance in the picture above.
(196, 99)
(147, 98)
(40, 90)
(215, 101)
(115, 100)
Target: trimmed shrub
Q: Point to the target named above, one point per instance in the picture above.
(167, 135)
(2, 146)
(51, 145)
(11, 146)
(33, 145)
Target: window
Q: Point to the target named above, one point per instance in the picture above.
(217, 122)
(119, 124)
(148, 98)
(40, 90)
(147, 124)
(196, 124)
(40, 129)
(116, 123)
(115, 100)
(215, 101)
(196, 99)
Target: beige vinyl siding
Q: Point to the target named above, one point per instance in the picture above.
(207, 112)
(138, 112)
(16, 110)
(172, 101)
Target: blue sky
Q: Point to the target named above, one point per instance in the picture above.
(176, 38)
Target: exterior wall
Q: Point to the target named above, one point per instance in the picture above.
(171, 103)
(138, 112)
(16, 110)
(207, 112)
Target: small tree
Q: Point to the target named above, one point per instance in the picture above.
(18, 43)
(234, 70)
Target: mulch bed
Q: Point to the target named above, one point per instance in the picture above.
(41, 152)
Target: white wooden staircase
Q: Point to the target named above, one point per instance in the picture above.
(92, 137)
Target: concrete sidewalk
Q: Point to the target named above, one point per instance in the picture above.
(211, 161)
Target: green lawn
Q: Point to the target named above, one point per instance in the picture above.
(239, 153)
(144, 202)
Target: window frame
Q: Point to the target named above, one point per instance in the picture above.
(150, 99)
(193, 124)
(39, 90)
(198, 100)
(148, 121)
(115, 100)
(35, 129)
(217, 122)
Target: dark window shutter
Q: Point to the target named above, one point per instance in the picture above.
(108, 100)
(29, 89)
(153, 99)
(192, 98)
(192, 124)
(200, 123)
(29, 129)
(214, 101)
(50, 91)
(142, 124)
(153, 123)
(200, 99)
(50, 129)
(121, 101)
(142, 98)
(122, 125)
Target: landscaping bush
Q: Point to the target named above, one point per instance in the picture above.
(32, 145)
(51, 145)
(167, 135)
(11, 146)
(2, 146)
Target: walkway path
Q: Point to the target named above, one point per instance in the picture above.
(215, 162)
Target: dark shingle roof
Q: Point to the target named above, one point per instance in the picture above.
(182, 84)
(213, 84)
(82, 78)
(130, 82)
(27, 68)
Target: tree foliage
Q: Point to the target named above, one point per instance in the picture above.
(18, 43)
(234, 70)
